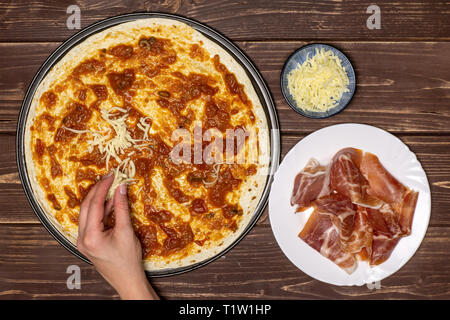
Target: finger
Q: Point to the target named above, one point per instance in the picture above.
(109, 206)
(121, 207)
(84, 208)
(96, 212)
(108, 217)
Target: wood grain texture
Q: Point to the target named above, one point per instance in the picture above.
(432, 152)
(241, 20)
(401, 87)
(33, 263)
(34, 267)
(395, 88)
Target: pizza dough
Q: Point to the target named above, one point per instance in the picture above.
(114, 102)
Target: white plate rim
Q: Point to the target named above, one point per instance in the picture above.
(418, 230)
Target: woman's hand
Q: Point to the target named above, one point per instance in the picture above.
(116, 252)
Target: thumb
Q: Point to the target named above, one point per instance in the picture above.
(121, 206)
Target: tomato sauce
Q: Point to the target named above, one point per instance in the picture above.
(198, 207)
(149, 240)
(76, 119)
(72, 200)
(121, 81)
(100, 91)
(51, 197)
(154, 57)
(49, 99)
(122, 51)
(89, 66)
(157, 216)
(177, 238)
(39, 149)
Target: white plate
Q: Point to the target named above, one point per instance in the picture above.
(322, 145)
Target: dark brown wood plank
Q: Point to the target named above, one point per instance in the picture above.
(432, 152)
(15, 207)
(401, 87)
(16, 74)
(241, 20)
(256, 268)
(34, 267)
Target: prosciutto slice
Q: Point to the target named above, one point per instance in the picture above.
(387, 232)
(360, 241)
(323, 236)
(360, 211)
(341, 212)
(346, 178)
(387, 188)
(382, 248)
(311, 183)
(406, 213)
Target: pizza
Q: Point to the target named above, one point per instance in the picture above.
(174, 116)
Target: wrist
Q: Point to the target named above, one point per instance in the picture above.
(138, 289)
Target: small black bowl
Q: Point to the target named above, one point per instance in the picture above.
(300, 56)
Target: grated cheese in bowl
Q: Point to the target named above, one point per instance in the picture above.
(318, 83)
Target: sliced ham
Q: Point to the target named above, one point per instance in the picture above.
(386, 233)
(341, 212)
(381, 183)
(406, 213)
(322, 235)
(382, 248)
(311, 183)
(360, 241)
(360, 211)
(387, 188)
(346, 178)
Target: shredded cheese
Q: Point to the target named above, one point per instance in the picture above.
(319, 83)
(216, 170)
(114, 141)
(119, 177)
(144, 126)
(74, 130)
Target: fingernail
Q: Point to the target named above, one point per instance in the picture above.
(123, 188)
(108, 175)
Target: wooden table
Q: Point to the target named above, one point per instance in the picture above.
(403, 86)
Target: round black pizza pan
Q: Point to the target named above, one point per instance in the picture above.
(256, 78)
